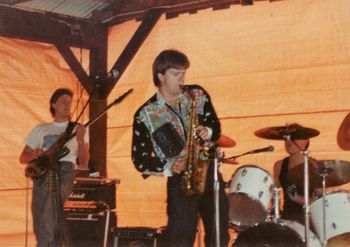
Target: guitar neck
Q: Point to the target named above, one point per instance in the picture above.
(118, 100)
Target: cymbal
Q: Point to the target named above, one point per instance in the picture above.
(337, 173)
(291, 131)
(225, 142)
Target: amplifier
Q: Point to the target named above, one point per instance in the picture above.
(137, 236)
(88, 229)
(93, 190)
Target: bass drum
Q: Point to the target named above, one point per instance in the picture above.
(250, 196)
(337, 218)
(282, 234)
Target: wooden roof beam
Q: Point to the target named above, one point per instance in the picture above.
(75, 66)
(133, 46)
(43, 27)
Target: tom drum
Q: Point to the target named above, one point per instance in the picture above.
(250, 194)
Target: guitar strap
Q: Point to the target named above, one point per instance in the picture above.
(70, 127)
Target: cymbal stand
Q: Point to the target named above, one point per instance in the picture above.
(306, 198)
(276, 201)
(306, 191)
(324, 174)
(216, 188)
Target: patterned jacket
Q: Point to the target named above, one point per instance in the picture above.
(151, 158)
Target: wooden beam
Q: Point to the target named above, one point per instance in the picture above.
(98, 135)
(76, 67)
(98, 131)
(133, 46)
(45, 27)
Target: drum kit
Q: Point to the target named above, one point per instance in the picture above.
(254, 198)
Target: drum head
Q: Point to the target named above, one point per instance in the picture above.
(245, 211)
(268, 235)
(342, 240)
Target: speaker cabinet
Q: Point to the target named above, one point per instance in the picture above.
(137, 236)
(87, 229)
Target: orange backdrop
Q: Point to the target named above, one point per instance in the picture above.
(264, 65)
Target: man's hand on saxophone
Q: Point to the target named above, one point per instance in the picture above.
(179, 165)
(204, 132)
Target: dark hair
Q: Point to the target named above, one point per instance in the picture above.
(168, 59)
(58, 93)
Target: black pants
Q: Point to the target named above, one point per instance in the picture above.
(184, 211)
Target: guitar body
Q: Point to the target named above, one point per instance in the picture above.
(38, 167)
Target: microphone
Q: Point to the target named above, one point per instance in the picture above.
(255, 151)
(260, 150)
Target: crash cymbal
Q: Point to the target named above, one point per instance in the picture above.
(225, 142)
(337, 173)
(291, 131)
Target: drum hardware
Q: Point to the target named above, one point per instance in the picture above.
(295, 132)
(324, 174)
(276, 201)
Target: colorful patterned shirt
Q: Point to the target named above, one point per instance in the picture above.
(147, 155)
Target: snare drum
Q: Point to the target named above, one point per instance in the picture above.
(282, 234)
(250, 194)
(337, 216)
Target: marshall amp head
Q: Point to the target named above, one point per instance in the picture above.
(93, 190)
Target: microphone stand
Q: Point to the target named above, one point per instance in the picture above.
(255, 151)
(63, 234)
(58, 155)
(216, 186)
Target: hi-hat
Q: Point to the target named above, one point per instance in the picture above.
(291, 131)
(336, 172)
(225, 142)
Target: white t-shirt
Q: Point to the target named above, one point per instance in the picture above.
(44, 135)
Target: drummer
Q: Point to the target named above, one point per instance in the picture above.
(292, 195)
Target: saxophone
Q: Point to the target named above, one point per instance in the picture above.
(196, 167)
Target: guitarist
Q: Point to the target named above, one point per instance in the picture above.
(39, 140)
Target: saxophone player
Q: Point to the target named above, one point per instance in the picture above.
(160, 147)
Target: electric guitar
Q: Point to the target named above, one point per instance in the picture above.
(39, 166)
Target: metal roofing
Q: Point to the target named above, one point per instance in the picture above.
(75, 8)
